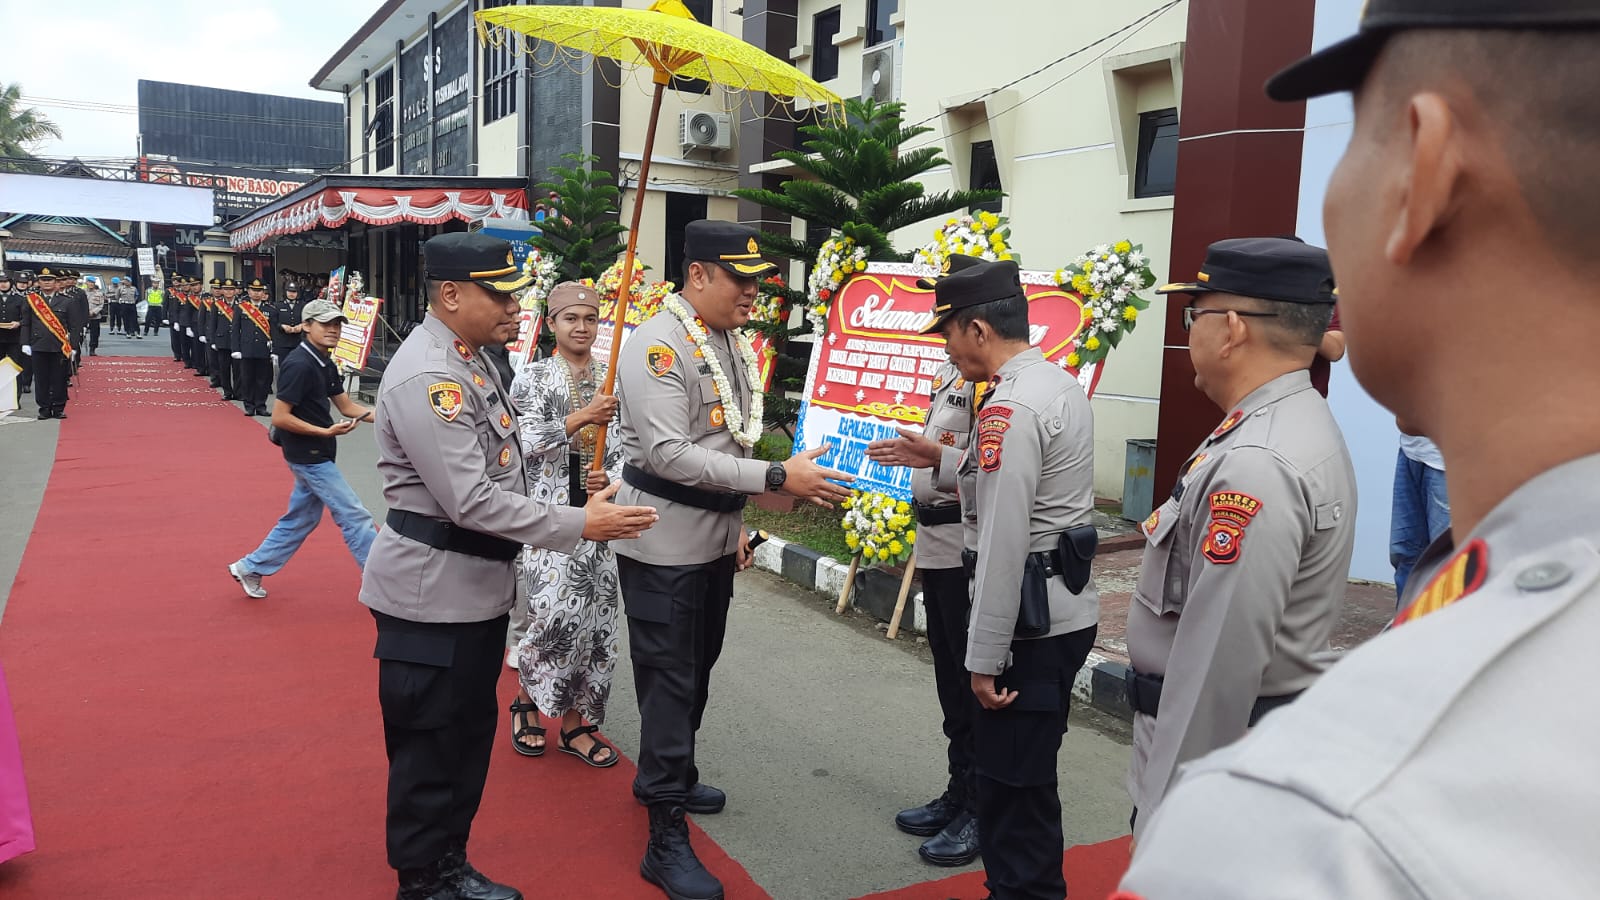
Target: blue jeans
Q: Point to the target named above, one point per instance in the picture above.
(1421, 514)
(315, 485)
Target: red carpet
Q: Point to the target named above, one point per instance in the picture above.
(1092, 871)
(182, 741)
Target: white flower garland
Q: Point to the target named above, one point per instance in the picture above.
(745, 436)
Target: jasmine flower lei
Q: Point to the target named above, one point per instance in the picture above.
(745, 431)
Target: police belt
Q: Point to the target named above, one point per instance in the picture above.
(1048, 560)
(944, 514)
(715, 501)
(1144, 695)
(443, 535)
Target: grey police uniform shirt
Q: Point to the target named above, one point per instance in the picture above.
(1024, 480)
(448, 448)
(1449, 758)
(950, 421)
(673, 427)
(1243, 576)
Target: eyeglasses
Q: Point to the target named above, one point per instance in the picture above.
(1190, 312)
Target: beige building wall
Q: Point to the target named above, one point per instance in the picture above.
(1065, 142)
(499, 144)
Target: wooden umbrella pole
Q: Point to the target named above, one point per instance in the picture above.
(625, 289)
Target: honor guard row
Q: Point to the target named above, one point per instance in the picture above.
(231, 339)
(42, 318)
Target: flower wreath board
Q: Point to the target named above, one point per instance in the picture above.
(872, 372)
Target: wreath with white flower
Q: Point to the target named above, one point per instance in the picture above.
(985, 236)
(545, 271)
(1106, 278)
(746, 431)
(879, 527)
(839, 258)
(644, 300)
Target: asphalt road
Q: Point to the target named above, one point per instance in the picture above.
(819, 729)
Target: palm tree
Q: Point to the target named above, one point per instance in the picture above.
(21, 129)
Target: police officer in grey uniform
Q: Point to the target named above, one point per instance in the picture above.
(1453, 755)
(683, 456)
(950, 820)
(441, 574)
(1027, 493)
(1246, 564)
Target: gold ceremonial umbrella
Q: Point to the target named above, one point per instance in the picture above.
(667, 39)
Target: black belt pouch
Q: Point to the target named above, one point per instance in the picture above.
(1076, 548)
(1033, 614)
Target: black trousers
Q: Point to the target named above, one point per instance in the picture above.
(436, 685)
(176, 335)
(94, 335)
(1015, 748)
(199, 356)
(152, 319)
(255, 380)
(224, 372)
(946, 597)
(130, 318)
(50, 371)
(677, 617)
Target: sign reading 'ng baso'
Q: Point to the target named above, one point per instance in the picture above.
(873, 372)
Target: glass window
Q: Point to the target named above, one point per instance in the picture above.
(499, 75)
(879, 29)
(383, 118)
(1156, 174)
(824, 55)
(985, 174)
(681, 210)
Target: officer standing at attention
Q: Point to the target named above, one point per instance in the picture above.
(171, 309)
(1453, 755)
(25, 285)
(441, 576)
(13, 308)
(222, 340)
(252, 347)
(1246, 564)
(1027, 494)
(949, 821)
(286, 324)
(81, 314)
(691, 410)
(205, 320)
(47, 338)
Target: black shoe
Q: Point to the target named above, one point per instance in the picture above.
(58, 414)
(469, 883)
(956, 845)
(930, 818)
(427, 883)
(44, 414)
(703, 800)
(669, 862)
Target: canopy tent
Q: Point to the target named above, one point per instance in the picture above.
(329, 202)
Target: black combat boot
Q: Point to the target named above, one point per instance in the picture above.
(469, 883)
(426, 883)
(930, 818)
(669, 862)
(956, 845)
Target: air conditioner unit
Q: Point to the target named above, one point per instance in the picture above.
(880, 71)
(700, 130)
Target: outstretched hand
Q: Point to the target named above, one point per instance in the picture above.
(804, 479)
(910, 449)
(606, 521)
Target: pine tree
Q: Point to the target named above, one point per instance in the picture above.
(863, 184)
(582, 228)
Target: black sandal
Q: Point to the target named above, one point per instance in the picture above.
(566, 747)
(517, 734)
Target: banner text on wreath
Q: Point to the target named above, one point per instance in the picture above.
(872, 371)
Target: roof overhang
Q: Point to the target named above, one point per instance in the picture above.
(332, 200)
(373, 43)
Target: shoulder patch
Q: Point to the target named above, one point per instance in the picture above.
(1463, 574)
(463, 350)
(445, 398)
(992, 427)
(660, 359)
(1231, 512)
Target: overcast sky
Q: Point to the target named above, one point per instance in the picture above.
(99, 49)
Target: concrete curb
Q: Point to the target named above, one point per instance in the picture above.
(1099, 683)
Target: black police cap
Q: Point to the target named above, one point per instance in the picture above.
(974, 285)
(4, 275)
(1344, 66)
(728, 244)
(256, 284)
(955, 262)
(476, 257)
(1283, 269)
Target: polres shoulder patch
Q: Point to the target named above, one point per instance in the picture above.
(659, 357)
(445, 399)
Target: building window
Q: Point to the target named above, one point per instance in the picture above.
(879, 28)
(383, 118)
(824, 55)
(1156, 174)
(681, 210)
(984, 174)
(499, 75)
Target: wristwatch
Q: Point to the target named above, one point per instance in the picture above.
(776, 475)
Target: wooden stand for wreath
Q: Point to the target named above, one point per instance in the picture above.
(900, 601)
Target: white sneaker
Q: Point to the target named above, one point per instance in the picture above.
(250, 581)
(511, 658)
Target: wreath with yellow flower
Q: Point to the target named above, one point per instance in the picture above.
(546, 271)
(1106, 278)
(839, 258)
(985, 236)
(878, 527)
(645, 299)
